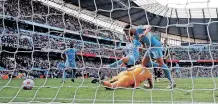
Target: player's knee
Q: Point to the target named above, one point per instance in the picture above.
(125, 59)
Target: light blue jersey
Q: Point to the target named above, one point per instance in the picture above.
(132, 51)
(132, 48)
(70, 57)
(177, 68)
(154, 51)
(61, 65)
(151, 41)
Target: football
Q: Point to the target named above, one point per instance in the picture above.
(28, 84)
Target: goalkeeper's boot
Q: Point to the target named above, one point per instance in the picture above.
(72, 80)
(95, 81)
(171, 85)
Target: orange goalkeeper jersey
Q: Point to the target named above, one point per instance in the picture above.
(139, 74)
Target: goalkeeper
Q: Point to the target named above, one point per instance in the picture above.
(130, 78)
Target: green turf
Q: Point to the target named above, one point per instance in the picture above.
(202, 91)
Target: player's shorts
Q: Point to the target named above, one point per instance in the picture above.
(154, 53)
(70, 64)
(132, 59)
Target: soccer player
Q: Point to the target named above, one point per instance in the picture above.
(70, 60)
(61, 66)
(176, 70)
(132, 54)
(143, 34)
(166, 52)
(130, 78)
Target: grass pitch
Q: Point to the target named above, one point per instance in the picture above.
(83, 91)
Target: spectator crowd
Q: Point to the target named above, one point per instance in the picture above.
(195, 53)
(35, 11)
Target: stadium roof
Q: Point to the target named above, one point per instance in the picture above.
(162, 14)
(99, 20)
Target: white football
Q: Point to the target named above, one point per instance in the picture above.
(28, 84)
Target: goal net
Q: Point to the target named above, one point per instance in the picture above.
(36, 33)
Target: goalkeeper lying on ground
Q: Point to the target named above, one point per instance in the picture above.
(130, 78)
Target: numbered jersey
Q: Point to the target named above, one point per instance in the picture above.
(132, 48)
(70, 54)
(61, 65)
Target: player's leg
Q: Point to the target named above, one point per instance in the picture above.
(119, 62)
(164, 67)
(120, 75)
(166, 72)
(145, 61)
(158, 55)
(155, 65)
(73, 65)
(70, 65)
(123, 65)
(132, 60)
(67, 66)
(152, 64)
(159, 73)
(64, 74)
(115, 78)
(125, 81)
(73, 74)
(173, 73)
(155, 74)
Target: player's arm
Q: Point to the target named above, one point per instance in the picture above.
(142, 47)
(147, 30)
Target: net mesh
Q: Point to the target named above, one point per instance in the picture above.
(34, 33)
